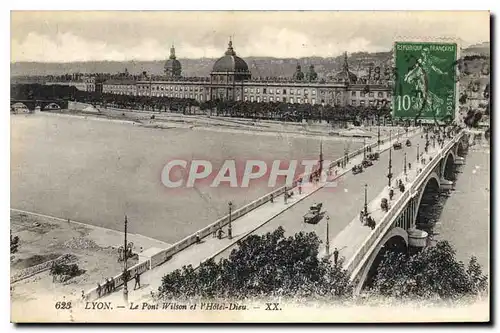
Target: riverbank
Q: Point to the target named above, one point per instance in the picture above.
(44, 238)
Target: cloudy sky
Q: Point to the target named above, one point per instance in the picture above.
(86, 36)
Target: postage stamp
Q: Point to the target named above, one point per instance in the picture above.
(275, 167)
(426, 87)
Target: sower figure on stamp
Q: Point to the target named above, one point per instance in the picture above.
(137, 281)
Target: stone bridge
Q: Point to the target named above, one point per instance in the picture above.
(32, 105)
(402, 227)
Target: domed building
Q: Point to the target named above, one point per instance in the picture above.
(173, 67)
(298, 75)
(228, 75)
(345, 75)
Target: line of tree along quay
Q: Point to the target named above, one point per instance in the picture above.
(244, 109)
(380, 112)
(274, 266)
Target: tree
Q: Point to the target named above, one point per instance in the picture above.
(270, 265)
(433, 272)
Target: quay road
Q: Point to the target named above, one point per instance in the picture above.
(343, 203)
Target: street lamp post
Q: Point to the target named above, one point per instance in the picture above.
(378, 134)
(321, 158)
(364, 148)
(230, 228)
(389, 175)
(405, 165)
(366, 200)
(327, 235)
(125, 280)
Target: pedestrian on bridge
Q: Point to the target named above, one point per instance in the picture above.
(137, 281)
(107, 286)
(198, 238)
(99, 290)
(300, 188)
(336, 256)
(120, 253)
(112, 284)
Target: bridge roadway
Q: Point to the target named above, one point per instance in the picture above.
(343, 203)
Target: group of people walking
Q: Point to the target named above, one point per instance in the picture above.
(109, 286)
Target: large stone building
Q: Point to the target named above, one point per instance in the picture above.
(231, 80)
(83, 83)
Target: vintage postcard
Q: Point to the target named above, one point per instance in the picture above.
(265, 166)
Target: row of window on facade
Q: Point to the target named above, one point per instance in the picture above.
(356, 102)
(279, 91)
(198, 97)
(264, 99)
(369, 94)
(172, 88)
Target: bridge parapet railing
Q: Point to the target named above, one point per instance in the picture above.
(382, 227)
(166, 254)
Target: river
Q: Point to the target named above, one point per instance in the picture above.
(96, 171)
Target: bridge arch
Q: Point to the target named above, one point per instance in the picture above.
(447, 166)
(395, 240)
(461, 148)
(431, 187)
(52, 106)
(19, 108)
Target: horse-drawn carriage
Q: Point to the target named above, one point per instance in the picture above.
(408, 143)
(314, 215)
(397, 145)
(357, 169)
(373, 156)
(366, 163)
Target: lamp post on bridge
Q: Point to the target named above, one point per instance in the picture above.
(366, 201)
(125, 268)
(364, 148)
(418, 153)
(230, 228)
(378, 134)
(346, 156)
(405, 165)
(321, 158)
(327, 235)
(389, 175)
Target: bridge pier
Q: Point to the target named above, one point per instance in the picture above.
(445, 184)
(459, 160)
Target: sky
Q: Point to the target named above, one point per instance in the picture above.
(68, 36)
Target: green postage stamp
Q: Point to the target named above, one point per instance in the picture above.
(425, 85)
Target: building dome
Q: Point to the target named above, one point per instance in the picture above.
(173, 67)
(230, 62)
(345, 74)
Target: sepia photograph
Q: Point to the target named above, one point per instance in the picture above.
(250, 166)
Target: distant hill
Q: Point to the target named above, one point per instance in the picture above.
(259, 66)
(478, 49)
